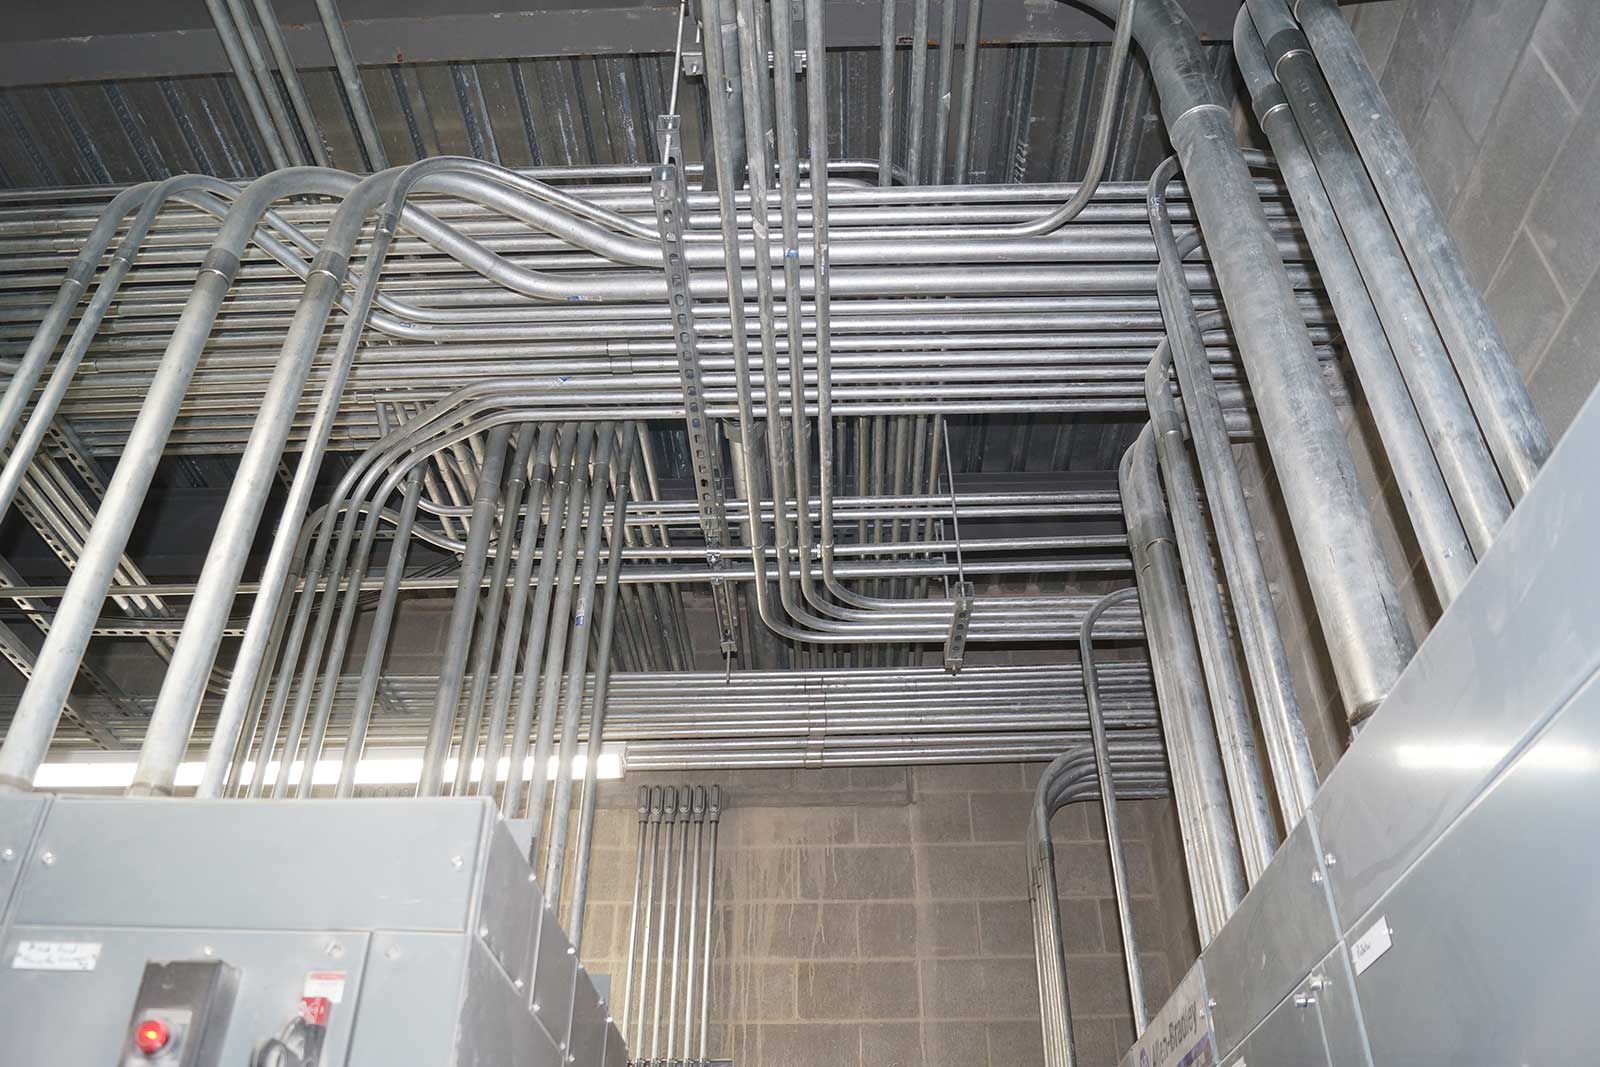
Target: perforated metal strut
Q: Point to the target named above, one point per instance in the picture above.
(672, 213)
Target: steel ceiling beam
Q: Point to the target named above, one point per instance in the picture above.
(100, 40)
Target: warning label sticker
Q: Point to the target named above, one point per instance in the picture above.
(329, 985)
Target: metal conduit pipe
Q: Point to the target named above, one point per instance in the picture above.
(1216, 873)
(658, 803)
(1311, 121)
(232, 781)
(148, 198)
(713, 822)
(598, 708)
(512, 633)
(561, 619)
(46, 693)
(294, 644)
(824, 630)
(820, 257)
(633, 911)
(336, 647)
(1070, 778)
(484, 646)
(291, 80)
(1108, 804)
(671, 797)
(785, 442)
(413, 176)
(685, 803)
(1356, 597)
(340, 556)
(1105, 124)
(1361, 660)
(179, 188)
(593, 231)
(355, 94)
(941, 117)
(196, 652)
(1516, 434)
(758, 707)
(583, 618)
(917, 106)
(886, 86)
(969, 81)
(1289, 754)
(570, 231)
(378, 641)
(562, 501)
(464, 613)
(670, 604)
(1258, 834)
(779, 436)
(698, 816)
(620, 197)
(19, 388)
(253, 99)
(261, 74)
(1415, 456)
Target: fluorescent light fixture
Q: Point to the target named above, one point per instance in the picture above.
(394, 767)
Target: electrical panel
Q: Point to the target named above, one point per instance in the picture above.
(333, 933)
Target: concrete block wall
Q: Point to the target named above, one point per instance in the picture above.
(879, 917)
(1498, 97)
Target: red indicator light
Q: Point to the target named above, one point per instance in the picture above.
(150, 1036)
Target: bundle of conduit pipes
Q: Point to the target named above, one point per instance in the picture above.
(502, 339)
(1456, 424)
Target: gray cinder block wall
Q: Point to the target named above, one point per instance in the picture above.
(879, 917)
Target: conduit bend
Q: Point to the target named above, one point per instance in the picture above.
(1070, 778)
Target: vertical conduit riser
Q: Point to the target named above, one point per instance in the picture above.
(512, 632)
(583, 619)
(1357, 599)
(1410, 452)
(1516, 434)
(1432, 382)
(464, 613)
(484, 640)
(1108, 805)
(1216, 872)
(1258, 835)
(378, 642)
(1264, 652)
(1079, 775)
(665, 1006)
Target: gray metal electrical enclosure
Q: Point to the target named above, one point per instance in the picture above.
(1434, 906)
(419, 921)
